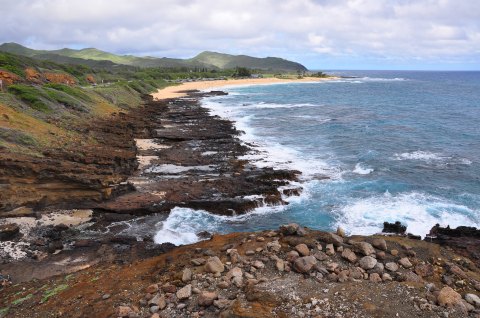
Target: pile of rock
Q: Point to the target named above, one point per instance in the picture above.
(215, 282)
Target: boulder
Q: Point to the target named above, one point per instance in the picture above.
(374, 277)
(396, 228)
(364, 248)
(367, 262)
(330, 238)
(304, 264)
(186, 275)
(289, 229)
(405, 262)
(214, 265)
(302, 249)
(448, 297)
(330, 250)
(185, 292)
(207, 298)
(379, 243)
(349, 255)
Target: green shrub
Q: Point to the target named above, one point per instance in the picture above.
(73, 91)
(30, 95)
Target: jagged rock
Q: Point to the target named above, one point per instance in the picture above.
(331, 267)
(185, 292)
(8, 231)
(207, 298)
(447, 297)
(330, 238)
(304, 264)
(303, 249)
(321, 256)
(473, 299)
(159, 301)
(214, 265)
(289, 229)
(234, 272)
(274, 246)
(364, 248)
(379, 243)
(186, 275)
(405, 262)
(367, 262)
(349, 255)
(329, 249)
(396, 228)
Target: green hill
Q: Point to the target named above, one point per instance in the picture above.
(227, 61)
(209, 60)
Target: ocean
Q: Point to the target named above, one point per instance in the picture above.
(395, 146)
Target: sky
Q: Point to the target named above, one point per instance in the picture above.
(321, 34)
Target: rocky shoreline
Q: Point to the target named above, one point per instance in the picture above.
(173, 153)
(72, 258)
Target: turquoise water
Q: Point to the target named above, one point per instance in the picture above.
(395, 145)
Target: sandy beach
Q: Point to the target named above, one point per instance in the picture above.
(178, 91)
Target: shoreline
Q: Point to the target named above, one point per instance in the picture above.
(182, 89)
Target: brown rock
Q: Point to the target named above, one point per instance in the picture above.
(186, 275)
(379, 243)
(405, 262)
(207, 298)
(214, 265)
(329, 249)
(303, 249)
(394, 252)
(124, 311)
(391, 266)
(374, 277)
(292, 256)
(152, 289)
(367, 262)
(304, 264)
(184, 292)
(424, 270)
(330, 238)
(448, 297)
(349, 255)
(364, 248)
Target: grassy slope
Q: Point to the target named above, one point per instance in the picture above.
(35, 116)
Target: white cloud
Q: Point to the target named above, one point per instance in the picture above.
(395, 30)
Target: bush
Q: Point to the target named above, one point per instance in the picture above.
(72, 91)
(30, 95)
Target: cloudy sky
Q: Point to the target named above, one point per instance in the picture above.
(321, 34)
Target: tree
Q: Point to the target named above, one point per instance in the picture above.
(242, 72)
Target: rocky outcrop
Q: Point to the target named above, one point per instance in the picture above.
(8, 78)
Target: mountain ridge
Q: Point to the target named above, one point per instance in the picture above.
(206, 59)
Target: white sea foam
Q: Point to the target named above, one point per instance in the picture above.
(431, 157)
(418, 211)
(361, 169)
(268, 152)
